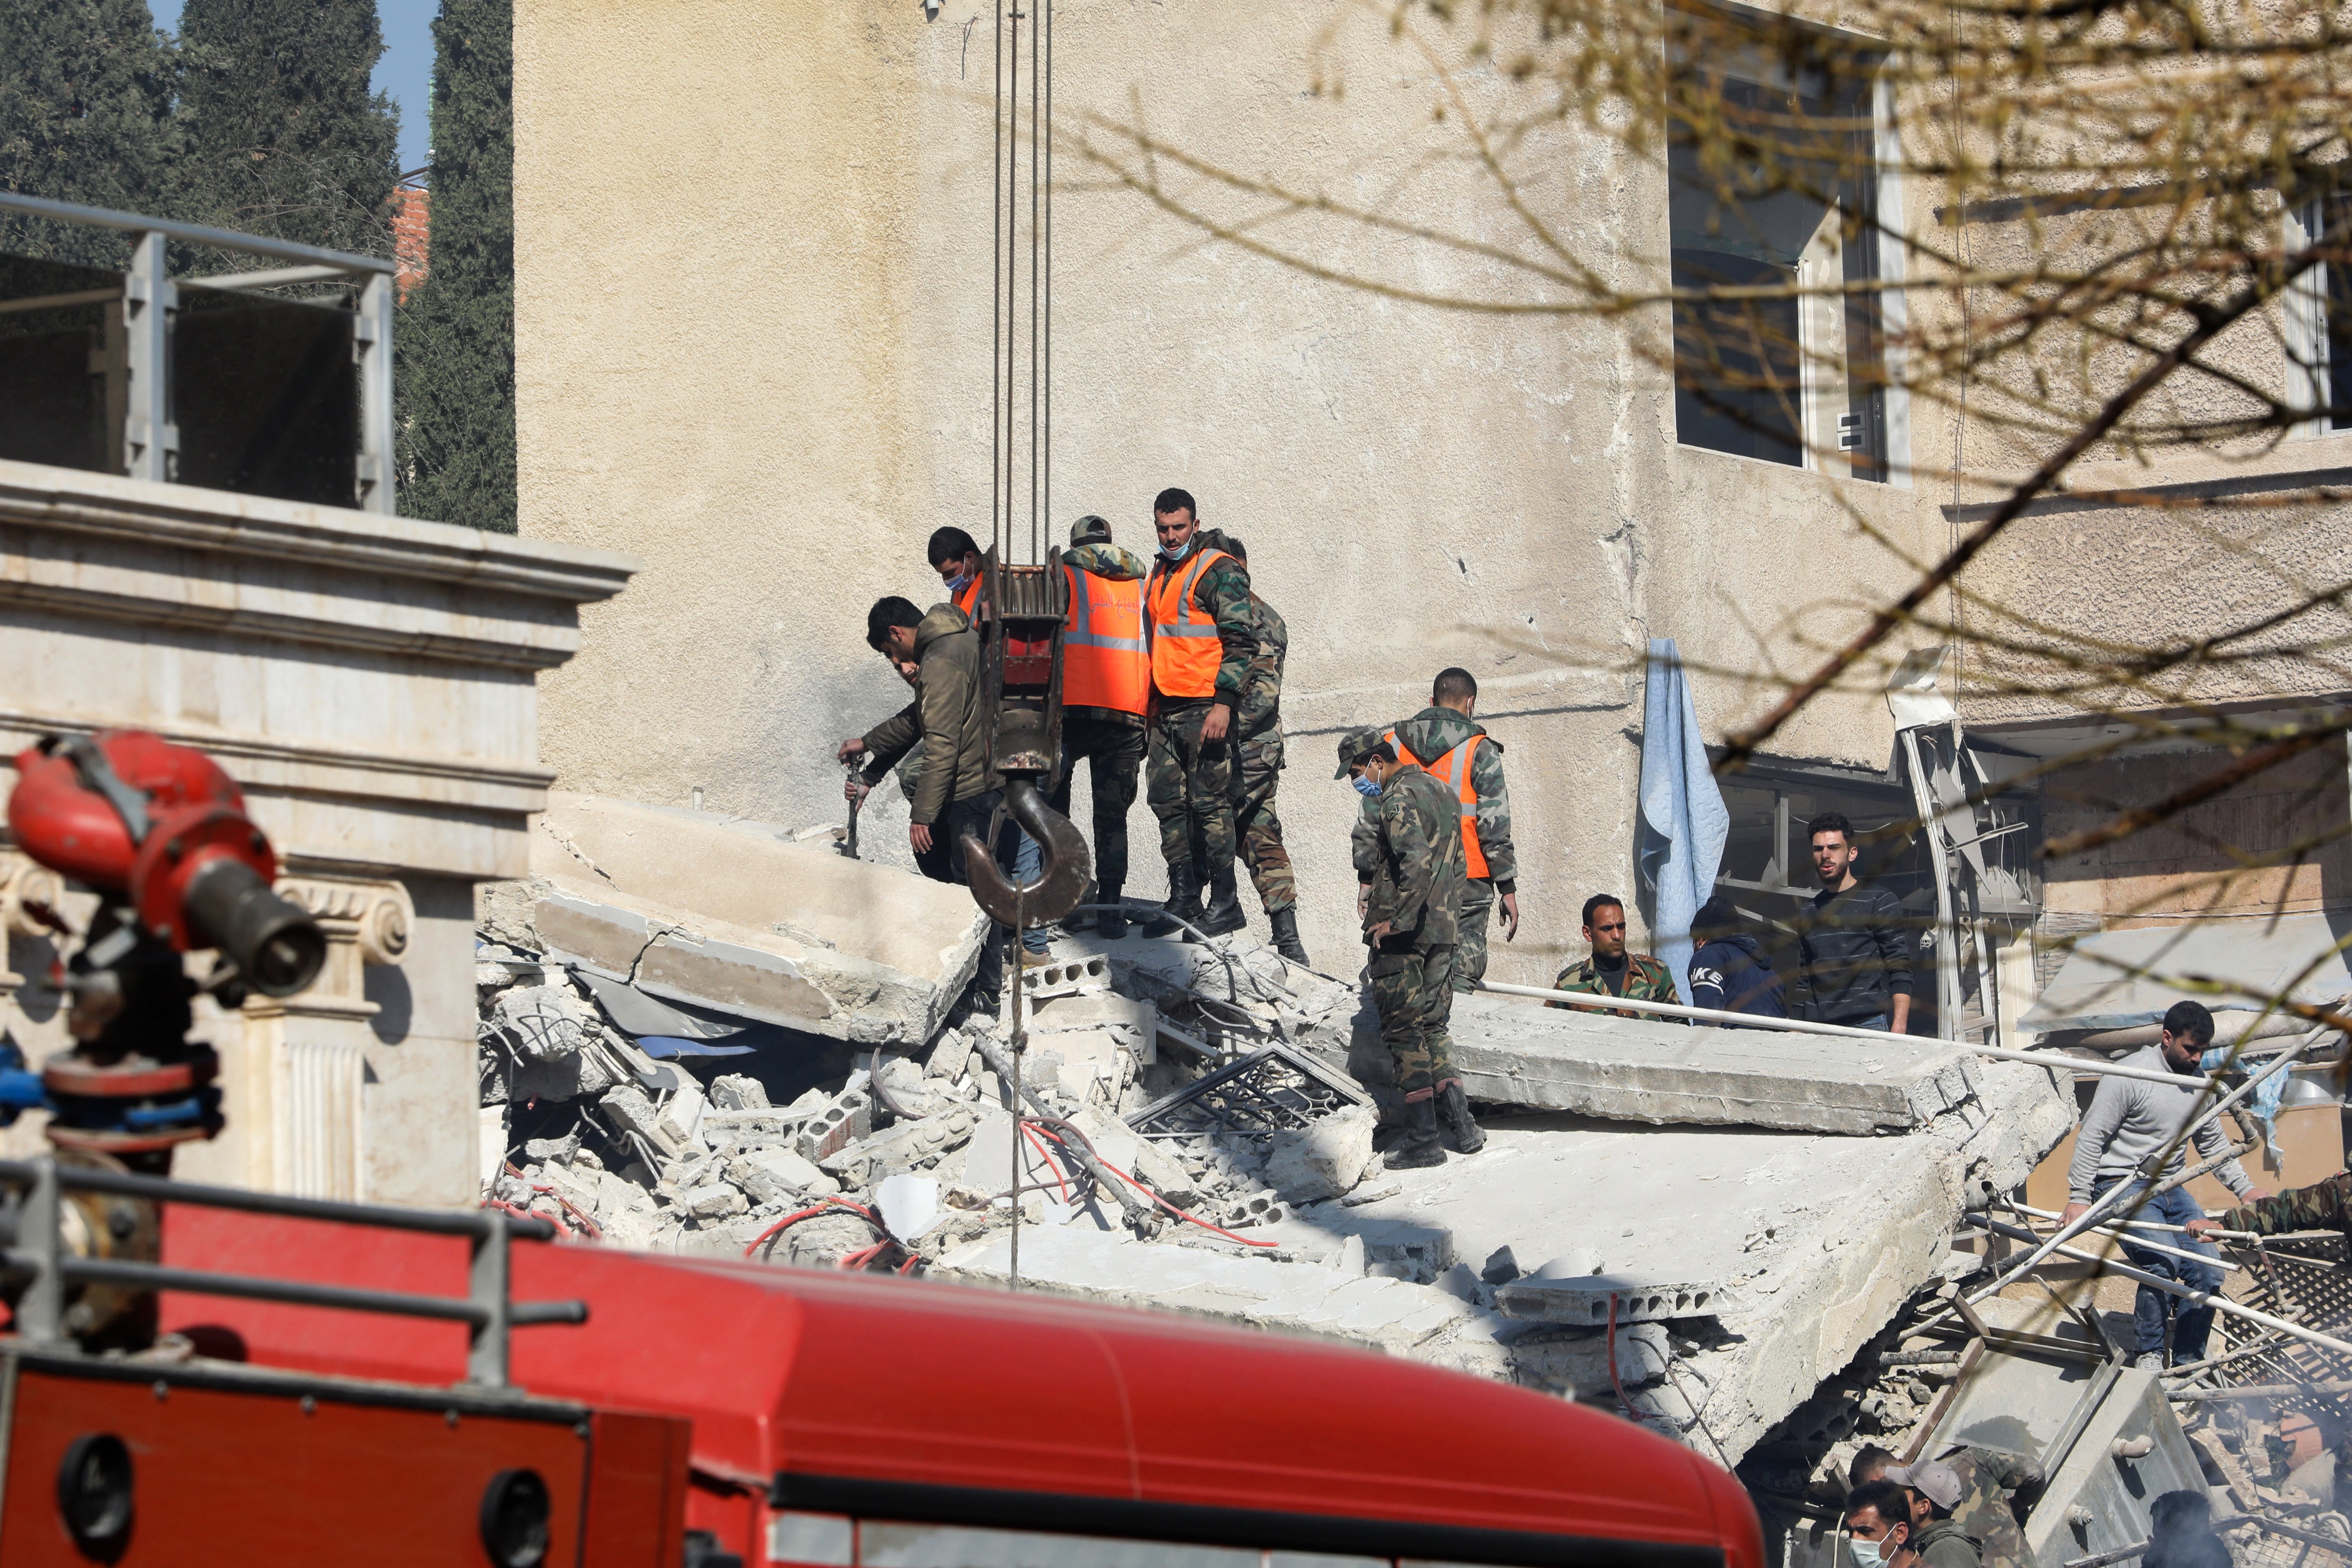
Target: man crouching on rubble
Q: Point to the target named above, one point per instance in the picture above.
(1411, 921)
(951, 795)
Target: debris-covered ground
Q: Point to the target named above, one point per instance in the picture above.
(672, 1061)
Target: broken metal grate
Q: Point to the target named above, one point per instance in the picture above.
(1273, 1089)
(2306, 1282)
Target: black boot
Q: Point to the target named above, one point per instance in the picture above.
(1419, 1147)
(1225, 911)
(1454, 1107)
(1183, 902)
(1111, 921)
(1285, 936)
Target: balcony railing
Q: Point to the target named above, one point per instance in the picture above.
(216, 380)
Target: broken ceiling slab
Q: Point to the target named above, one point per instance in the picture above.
(1640, 1069)
(1816, 1239)
(713, 912)
(1595, 1301)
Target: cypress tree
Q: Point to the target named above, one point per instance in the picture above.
(284, 138)
(454, 342)
(85, 116)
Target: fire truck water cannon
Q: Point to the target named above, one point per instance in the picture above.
(160, 833)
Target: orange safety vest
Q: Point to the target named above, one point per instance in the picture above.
(967, 599)
(1185, 648)
(1104, 663)
(1453, 770)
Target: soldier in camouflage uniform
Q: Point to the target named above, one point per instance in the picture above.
(1981, 1510)
(1434, 736)
(1257, 772)
(1411, 919)
(1188, 777)
(1611, 970)
(2323, 1206)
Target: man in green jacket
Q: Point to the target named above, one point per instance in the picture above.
(955, 789)
(1257, 775)
(1412, 912)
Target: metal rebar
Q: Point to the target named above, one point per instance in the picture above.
(996, 304)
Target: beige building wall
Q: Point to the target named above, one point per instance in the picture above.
(752, 253)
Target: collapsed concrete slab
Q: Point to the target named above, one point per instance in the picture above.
(1512, 1052)
(1815, 1241)
(716, 911)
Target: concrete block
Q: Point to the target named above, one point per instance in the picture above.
(1501, 1268)
(715, 1200)
(987, 1157)
(849, 1117)
(908, 1146)
(777, 1175)
(1088, 1024)
(628, 1109)
(1638, 1070)
(682, 1114)
(909, 1203)
(701, 908)
(1164, 1174)
(1066, 977)
(1323, 1161)
(732, 1091)
(1584, 1300)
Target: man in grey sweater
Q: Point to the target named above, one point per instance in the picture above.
(2129, 1121)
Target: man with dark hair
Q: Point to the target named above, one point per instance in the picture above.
(1855, 947)
(1203, 633)
(1257, 770)
(2131, 1121)
(1448, 745)
(1977, 1506)
(1612, 971)
(956, 558)
(2180, 1533)
(1106, 691)
(953, 793)
(1412, 918)
(1878, 1526)
(1729, 970)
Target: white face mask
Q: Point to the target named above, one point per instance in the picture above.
(1869, 1553)
(1178, 552)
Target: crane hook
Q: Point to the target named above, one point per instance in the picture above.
(1061, 882)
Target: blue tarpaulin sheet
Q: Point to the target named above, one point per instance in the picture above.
(1678, 838)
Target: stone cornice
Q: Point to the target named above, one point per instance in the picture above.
(95, 545)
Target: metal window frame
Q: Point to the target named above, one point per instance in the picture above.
(151, 442)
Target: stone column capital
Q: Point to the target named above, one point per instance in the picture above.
(376, 915)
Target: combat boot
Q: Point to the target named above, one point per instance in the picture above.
(1454, 1107)
(1183, 902)
(1225, 911)
(1111, 921)
(1285, 936)
(1419, 1146)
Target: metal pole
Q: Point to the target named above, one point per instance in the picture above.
(1947, 931)
(2108, 1203)
(372, 346)
(996, 304)
(2194, 1298)
(151, 442)
(41, 1310)
(486, 1355)
(1020, 899)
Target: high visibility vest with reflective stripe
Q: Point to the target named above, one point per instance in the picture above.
(1453, 770)
(1185, 650)
(1104, 662)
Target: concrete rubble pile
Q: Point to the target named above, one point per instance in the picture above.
(1750, 1209)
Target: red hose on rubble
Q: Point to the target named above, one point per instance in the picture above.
(789, 1220)
(1046, 1154)
(596, 1231)
(1054, 1125)
(1623, 1404)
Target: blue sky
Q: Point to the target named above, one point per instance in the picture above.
(405, 71)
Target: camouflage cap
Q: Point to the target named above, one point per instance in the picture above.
(1089, 530)
(1354, 747)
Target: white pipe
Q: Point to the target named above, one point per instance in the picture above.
(2135, 1224)
(1601, 1002)
(2144, 1243)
